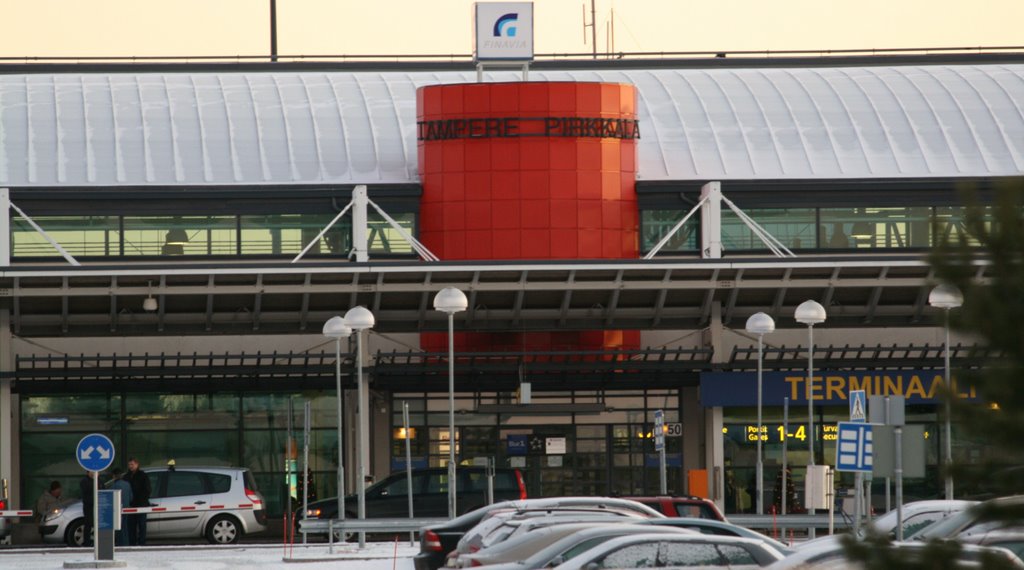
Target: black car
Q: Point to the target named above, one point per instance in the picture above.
(389, 498)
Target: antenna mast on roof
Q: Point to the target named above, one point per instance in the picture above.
(592, 25)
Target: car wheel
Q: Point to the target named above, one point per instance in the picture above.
(346, 536)
(75, 535)
(224, 529)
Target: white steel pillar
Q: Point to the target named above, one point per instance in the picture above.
(711, 221)
(5, 227)
(360, 233)
(713, 422)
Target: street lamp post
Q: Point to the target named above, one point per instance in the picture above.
(336, 328)
(947, 297)
(810, 313)
(358, 319)
(451, 300)
(760, 324)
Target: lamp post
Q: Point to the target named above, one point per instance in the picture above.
(336, 328)
(451, 300)
(810, 313)
(358, 319)
(760, 324)
(947, 297)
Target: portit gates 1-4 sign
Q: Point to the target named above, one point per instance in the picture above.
(504, 31)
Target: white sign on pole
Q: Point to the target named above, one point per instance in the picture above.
(858, 406)
(503, 31)
(554, 446)
(659, 430)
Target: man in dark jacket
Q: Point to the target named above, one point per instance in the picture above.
(141, 491)
(85, 486)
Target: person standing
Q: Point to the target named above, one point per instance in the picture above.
(141, 491)
(119, 484)
(85, 486)
(48, 501)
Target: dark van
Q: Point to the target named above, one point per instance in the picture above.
(389, 497)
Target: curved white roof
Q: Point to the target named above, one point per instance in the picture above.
(100, 129)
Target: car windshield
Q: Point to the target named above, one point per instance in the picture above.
(945, 527)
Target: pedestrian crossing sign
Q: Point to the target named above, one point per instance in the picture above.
(858, 406)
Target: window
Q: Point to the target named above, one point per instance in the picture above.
(737, 555)
(184, 483)
(582, 547)
(643, 555)
(219, 483)
(654, 224)
(695, 511)
(870, 228)
(794, 227)
(81, 236)
(156, 484)
(436, 482)
(399, 487)
(691, 554)
(180, 235)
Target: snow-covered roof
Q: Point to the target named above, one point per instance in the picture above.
(172, 129)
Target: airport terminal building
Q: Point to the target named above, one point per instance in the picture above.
(152, 289)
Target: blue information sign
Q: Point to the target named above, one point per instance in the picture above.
(105, 509)
(95, 452)
(854, 450)
(516, 444)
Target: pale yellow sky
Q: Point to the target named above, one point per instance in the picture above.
(240, 27)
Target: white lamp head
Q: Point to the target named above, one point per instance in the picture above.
(810, 313)
(946, 296)
(450, 300)
(335, 327)
(149, 303)
(760, 323)
(359, 318)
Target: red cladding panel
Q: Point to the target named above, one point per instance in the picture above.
(496, 195)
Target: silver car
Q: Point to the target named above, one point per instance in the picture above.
(173, 489)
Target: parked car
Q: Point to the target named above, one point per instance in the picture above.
(1012, 540)
(389, 497)
(520, 552)
(831, 555)
(502, 526)
(438, 540)
(183, 486)
(719, 528)
(975, 519)
(682, 506)
(662, 550)
(918, 515)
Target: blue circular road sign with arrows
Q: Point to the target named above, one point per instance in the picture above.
(95, 452)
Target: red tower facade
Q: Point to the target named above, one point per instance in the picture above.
(529, 171)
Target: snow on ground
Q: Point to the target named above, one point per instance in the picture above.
(376, 556)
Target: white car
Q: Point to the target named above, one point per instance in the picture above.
(682, 550)
(181, 487)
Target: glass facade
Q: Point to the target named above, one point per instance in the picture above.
(199, 236)
(219, 429)
(740, 454)
(654, 224)
(860, 228)
(607, 453)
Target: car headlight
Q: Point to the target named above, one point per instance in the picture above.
(53, 514)
(313, 513)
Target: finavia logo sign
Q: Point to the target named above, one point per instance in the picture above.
(505, 26)
(504, 31)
